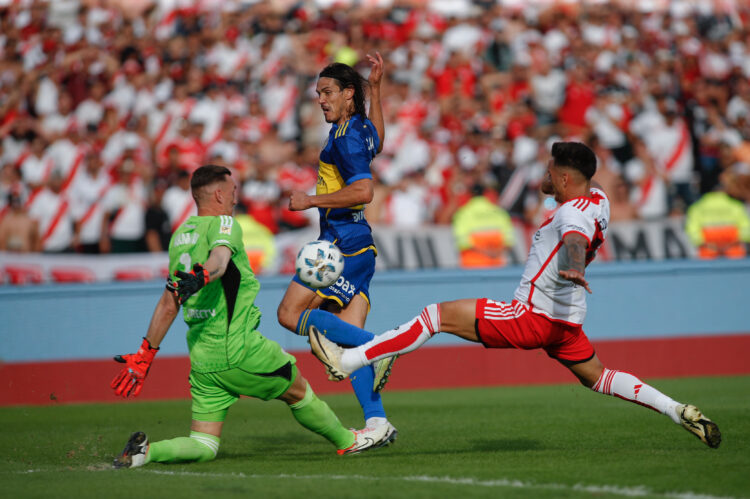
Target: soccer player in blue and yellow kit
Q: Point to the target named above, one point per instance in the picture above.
(228, 355)
(345, 185)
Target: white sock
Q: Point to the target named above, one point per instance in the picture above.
(403, 339)
(628, 387)
(375, 421)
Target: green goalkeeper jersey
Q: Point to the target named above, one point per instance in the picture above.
(222, 317)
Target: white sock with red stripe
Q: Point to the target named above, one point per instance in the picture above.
(403, 339)
(628, 387)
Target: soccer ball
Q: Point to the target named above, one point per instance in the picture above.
(319, 264)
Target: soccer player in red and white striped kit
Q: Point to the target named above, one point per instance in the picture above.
(548, 307)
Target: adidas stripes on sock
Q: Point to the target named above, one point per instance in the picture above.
(403, 339)
(628, 387)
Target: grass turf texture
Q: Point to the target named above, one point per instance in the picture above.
(538, 441)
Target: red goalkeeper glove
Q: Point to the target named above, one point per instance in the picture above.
(130, 380)
(189, 283)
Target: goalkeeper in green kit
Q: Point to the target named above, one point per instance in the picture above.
(228, 356)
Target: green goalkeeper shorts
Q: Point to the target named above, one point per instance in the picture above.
(213, 393)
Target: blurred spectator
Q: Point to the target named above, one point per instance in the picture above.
(649, 197)
(86, 194)
(124, 205)
(177, 202)
(718, 223)
(158, 229)
(483, 231)
(259, 243)
(408, 204)
(52, 212)
(36, 164)
(477, 91)
(18, 231)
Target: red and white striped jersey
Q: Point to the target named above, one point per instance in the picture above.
(541, 287)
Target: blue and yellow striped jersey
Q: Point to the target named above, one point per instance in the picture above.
(346, 158)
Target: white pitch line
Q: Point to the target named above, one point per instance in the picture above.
(639, 491)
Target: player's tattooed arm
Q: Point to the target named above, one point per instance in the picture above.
(575, 248)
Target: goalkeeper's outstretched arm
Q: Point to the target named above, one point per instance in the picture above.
(132, 376)
(162, 318)
(168, 305)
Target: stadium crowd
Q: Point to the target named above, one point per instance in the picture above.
(107, 107)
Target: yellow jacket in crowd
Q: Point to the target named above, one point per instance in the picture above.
(717, 224)
(483, 231)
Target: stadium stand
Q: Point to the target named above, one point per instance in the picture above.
(475, 93)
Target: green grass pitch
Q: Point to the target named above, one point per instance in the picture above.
(531, 441)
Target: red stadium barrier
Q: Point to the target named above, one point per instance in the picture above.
(24, 274)
(41, 383)
(72, 274)
(133, 275)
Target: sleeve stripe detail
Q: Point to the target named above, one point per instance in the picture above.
(226, 221)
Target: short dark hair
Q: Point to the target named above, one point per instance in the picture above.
(347, 77)
(575, 155)
(207, 175)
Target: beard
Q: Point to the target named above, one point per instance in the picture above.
(546, 187)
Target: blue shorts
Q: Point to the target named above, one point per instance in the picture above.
(354, 280)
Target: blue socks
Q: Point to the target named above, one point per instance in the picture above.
(362, 380)
(346, 334)
(333, 328)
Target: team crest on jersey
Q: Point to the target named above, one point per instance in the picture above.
(226, 225)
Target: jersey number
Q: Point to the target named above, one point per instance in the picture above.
(186, 262)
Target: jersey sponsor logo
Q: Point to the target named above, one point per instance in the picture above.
(185, 238)
(197, 313)
(344, 286)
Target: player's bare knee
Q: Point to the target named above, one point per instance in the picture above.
(296, 391)
(588, 372)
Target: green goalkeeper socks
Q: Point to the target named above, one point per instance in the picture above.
(316, 416)
(199, 447)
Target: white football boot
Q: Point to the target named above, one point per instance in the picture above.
(370, 437)
(328, 353)
(389, 437)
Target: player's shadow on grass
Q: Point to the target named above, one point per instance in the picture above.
(507, 444)
(289, 446)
